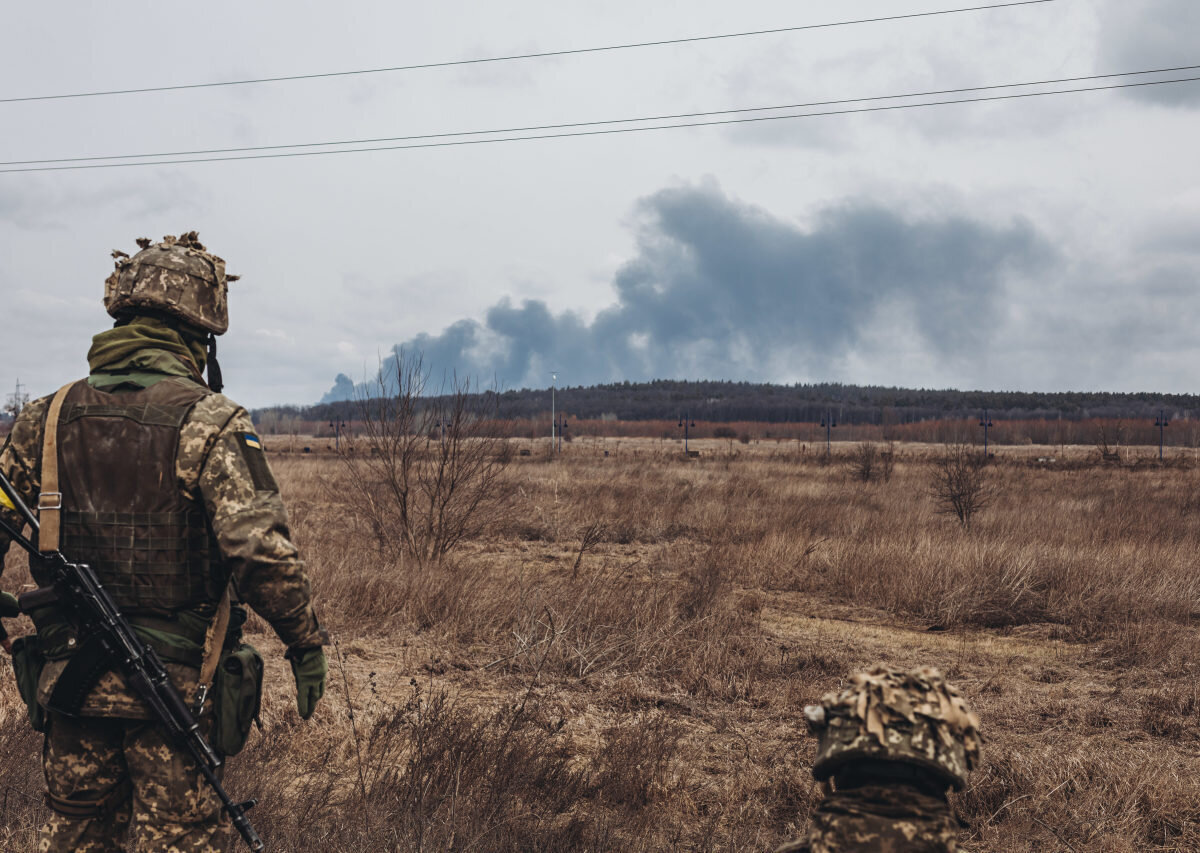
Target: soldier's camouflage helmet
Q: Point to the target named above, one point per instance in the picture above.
(177, 277)
(911, 717)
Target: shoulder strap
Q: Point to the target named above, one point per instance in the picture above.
(214, 640)
(50, 498)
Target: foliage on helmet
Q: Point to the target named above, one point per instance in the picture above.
(910, 717)
(177, 277)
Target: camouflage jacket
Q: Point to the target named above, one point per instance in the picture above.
(247, 517)
(879, 819)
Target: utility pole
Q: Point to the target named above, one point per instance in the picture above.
(683, 422)
(985, 423)
(828, 423)
(17, 400)
(1161, 423)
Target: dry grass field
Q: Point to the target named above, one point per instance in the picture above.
(620, 661)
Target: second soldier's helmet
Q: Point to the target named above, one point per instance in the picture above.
(177, 277)
(912, 717)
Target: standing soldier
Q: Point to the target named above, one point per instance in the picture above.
(892, 743)
(156, 480)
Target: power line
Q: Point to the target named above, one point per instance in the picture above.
(607, 131)
(594, 123)
(518, 56)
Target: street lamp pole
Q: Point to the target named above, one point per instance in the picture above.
(1161, 423)
(985, 423)
(683, 422)
(562, 427)
(828, 423)
(338, 426)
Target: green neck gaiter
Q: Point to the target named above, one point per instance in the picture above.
(147, 344)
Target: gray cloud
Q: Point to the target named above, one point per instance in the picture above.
(722, 289)
(37, 204)
(1151, 34)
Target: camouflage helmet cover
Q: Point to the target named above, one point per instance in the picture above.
(911, 717)
(177, 277)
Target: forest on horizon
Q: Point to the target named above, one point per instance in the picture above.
(726, 402)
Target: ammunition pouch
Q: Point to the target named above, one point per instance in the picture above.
(27, 662)
(237, 698)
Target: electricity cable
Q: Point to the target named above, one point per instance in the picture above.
(605, 131)
(517, 56)
(594, 123)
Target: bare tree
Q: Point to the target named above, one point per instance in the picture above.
(864, 462)
(960, 484)
(426, 471)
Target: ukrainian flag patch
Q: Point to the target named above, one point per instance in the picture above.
(256, 461)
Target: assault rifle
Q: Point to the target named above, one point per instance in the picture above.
(75, 588)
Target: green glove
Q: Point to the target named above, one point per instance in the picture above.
(309, 668)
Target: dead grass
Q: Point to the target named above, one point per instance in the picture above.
(621, 661)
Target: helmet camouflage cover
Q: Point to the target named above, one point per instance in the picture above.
(176, 277)
(911, 717)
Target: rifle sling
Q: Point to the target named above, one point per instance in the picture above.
(214, 641)
(50, 498)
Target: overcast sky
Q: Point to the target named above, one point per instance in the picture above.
(1045, 243)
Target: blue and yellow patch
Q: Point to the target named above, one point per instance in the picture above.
(256, 461)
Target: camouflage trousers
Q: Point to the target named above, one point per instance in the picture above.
(147, 796)
(877, 819)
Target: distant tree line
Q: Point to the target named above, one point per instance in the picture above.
(850, 405)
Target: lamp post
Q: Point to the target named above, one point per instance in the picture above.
(684, 422)
(562, 426)
(1161, 423)
(338, 426)
(985, 422)
(828, 423)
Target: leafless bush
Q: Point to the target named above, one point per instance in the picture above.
(868, 461)
(887, 461)
(1109, 449)
(426, 472)
(864, 461)
(960, 483)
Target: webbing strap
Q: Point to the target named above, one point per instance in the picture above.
(101, 809)
(214, 641)
(50, 499)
